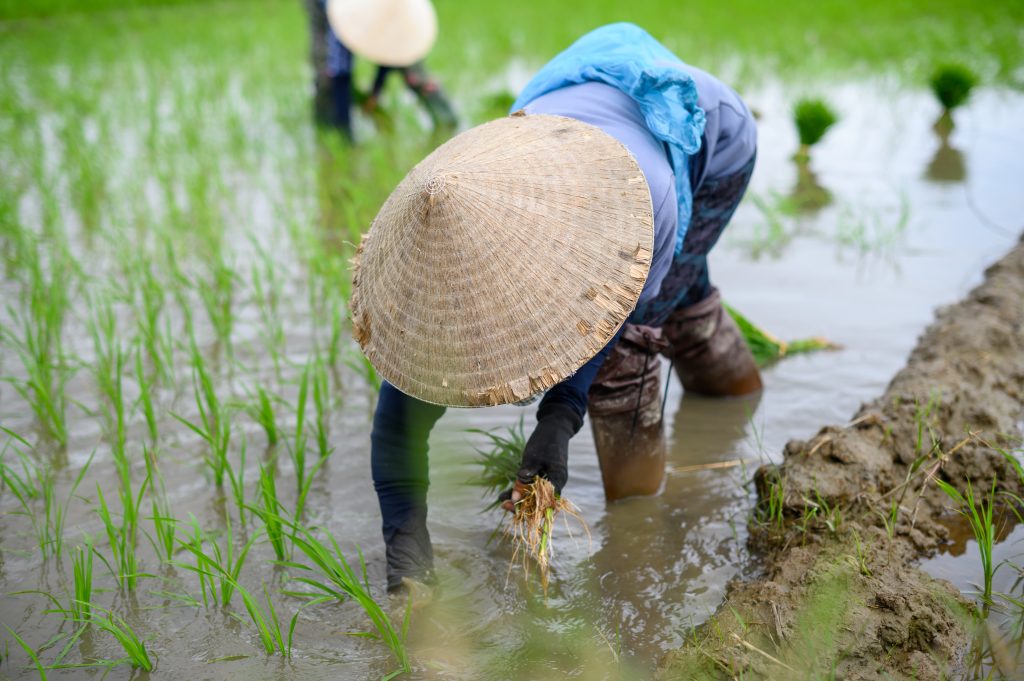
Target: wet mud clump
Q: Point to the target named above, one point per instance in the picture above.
(843, 521)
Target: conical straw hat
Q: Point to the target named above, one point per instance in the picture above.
(503, 262)
(387, 32)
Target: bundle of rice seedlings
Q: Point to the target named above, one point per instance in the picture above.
(529, 529)
(952, 84)
(768, 348)
(813, 118)
(533, 521)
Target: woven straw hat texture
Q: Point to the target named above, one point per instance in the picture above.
(503, 262)
(387, 32)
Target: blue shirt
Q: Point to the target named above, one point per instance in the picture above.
(713, 136)
(618, 115)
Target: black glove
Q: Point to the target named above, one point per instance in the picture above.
(409, 552)
(547, 451)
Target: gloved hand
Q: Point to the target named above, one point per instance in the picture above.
(547, 451)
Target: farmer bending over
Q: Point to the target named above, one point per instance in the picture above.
(557, 251)
(395, 35)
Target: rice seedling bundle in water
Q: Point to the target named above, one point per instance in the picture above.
(813, 118)
(766, 347)
(532, 521)
(532, 525)
(952, 84)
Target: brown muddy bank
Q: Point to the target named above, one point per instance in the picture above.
(839, 593)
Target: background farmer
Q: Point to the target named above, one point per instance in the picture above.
(396, 35)
(509, 261)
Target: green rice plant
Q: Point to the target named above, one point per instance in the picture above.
(859, 559)
(813, 118)
(767, 348)
(149, 310)
(261, 410)
(266, 285)
(298, 449)
(119, 451)
(772, 505)
(321, 394)
(891, 518)
(164, 523)
(268, 625)
(500, 462)
(334, 344)
(214, 425)
(923, 423)
(343, 582)
(217, 295)
(29, 651)
(36, 485)
(81, 571)
(952, 84)
(146, 389)
(108, 355)
(268, 511)
(218, 568)
(236, 477)
(134, 648)
(978, 513)
(124, 537)
(39, 345)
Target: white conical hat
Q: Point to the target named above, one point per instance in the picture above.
(387, 32)
(503, 262)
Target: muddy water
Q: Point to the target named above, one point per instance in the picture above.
(897, 223)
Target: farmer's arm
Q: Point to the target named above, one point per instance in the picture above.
(559, 417)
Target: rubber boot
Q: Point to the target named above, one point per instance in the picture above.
(709, 352)
(626, 417)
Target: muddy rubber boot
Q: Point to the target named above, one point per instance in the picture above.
(625, 416)
(709, 352)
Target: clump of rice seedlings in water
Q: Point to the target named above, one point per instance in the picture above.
(344, 582)
(81, 569)
(532, 524)
(45, 301)
(261, 410)
(36, 486)
(979, 514)
(164, 524)
(124, 537)
(813, 118)
(146, 388)
(267, 623)
(134, 648)
(767, 348)
(269, 509)
(952, 84)
(321, 394)
(218, 568)
(214, 425)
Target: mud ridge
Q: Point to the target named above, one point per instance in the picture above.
(839, 594)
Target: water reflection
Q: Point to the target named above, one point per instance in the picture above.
(808, 195)
(947, 165)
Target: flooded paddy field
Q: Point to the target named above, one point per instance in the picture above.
(175, 236)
